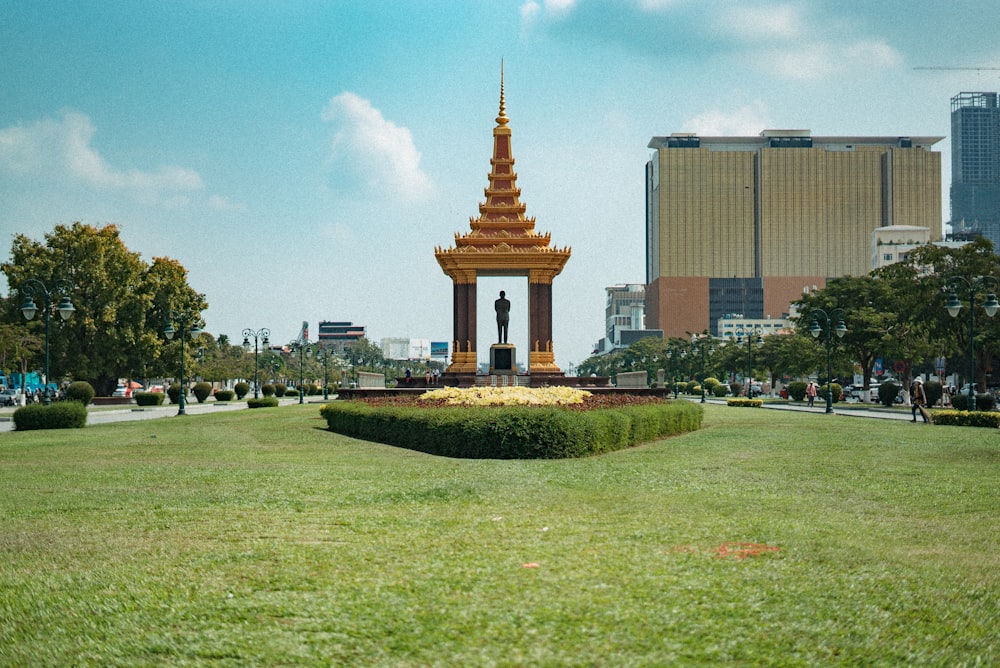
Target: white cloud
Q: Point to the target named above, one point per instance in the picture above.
(766, 22)
(61, 149)
(374, 149)
(873, 53)
(220, 203)
(747, 121)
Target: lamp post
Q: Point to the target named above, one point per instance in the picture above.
(259, 337)
(753, 335)
(182, 317)
(324, 356)
(816, 329)
(303, 350)
(704, 347)
(990, 306)
(35, 288)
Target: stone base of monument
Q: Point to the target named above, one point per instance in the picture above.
(503, 359)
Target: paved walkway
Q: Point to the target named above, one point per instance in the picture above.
(103, 415)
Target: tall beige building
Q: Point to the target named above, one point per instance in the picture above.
(742, 225)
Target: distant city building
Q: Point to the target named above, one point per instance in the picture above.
(893, 243)
(624, 318)
(406, 349)
(975, 166)
(746, 224)
(339, 335)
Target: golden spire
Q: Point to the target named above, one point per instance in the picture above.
(502, 118)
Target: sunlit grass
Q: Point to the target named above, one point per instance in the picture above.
(258, 538)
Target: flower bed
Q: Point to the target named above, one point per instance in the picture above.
(526, 430)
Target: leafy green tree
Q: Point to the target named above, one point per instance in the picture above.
(121, 303)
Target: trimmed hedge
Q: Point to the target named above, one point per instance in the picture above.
(60, 415)
(797, 390)
(267, 389)
(984, 401)
(224, 395)
(989, 419)
(149, 398)
(745, 403)
(241, 388)
(512, 432)
(263, 402)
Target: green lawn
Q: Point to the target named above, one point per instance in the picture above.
(258, 538)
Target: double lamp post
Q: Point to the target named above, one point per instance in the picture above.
(35, 288)
(259, 341)
(182, 318)
(990, 306)
(816, 329)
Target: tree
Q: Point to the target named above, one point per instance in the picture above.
(122, 303)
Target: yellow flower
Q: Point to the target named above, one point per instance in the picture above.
(507, 396)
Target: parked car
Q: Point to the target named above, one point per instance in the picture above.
(10, 397)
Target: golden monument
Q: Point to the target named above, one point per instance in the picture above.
(502, 242)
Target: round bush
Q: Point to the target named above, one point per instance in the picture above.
(693, 387)
(148, 398)
(711, 383)
(224, 395)
(241, 388)
(887, 393)
(735, 388)
(80, 391)
(720, 390)
(838, 391)
(934, 392)
(291, 392)
(267, 389)
(202, 391)
(797, 390)
(174, 392)
(280, 389)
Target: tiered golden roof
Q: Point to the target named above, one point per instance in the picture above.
(502, 241)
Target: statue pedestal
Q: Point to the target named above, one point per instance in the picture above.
(503, 359)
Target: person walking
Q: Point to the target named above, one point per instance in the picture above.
(918, 399)
(811, 393)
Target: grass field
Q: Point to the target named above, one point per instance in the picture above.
(258, 538)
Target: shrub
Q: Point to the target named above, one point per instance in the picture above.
(744, 402)
(174, 392)
(984, 402)
(224, 395)
(838, 391)
(80, 391)
(267, 389)
(241, 388)
(202, 391)
(291, 392)
(797, 390)
(934, 392)
(60, 415)
(711, 383)
(312, 389)
(736, 389)
(720, 390)
(887, 393)
(280, 389)
(149, 398)
(512, 432)
(693, 387)
(989, 419)
(267, 401)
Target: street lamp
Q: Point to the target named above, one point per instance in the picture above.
(954, 306)
(705, 347)
(35, 288)
(324, 356)
(259, 337)
(753, 335)
(182, 317)
(816, 329)
(303, 350)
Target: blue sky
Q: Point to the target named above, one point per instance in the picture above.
(302, 159)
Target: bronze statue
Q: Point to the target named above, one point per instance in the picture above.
(502, 307)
